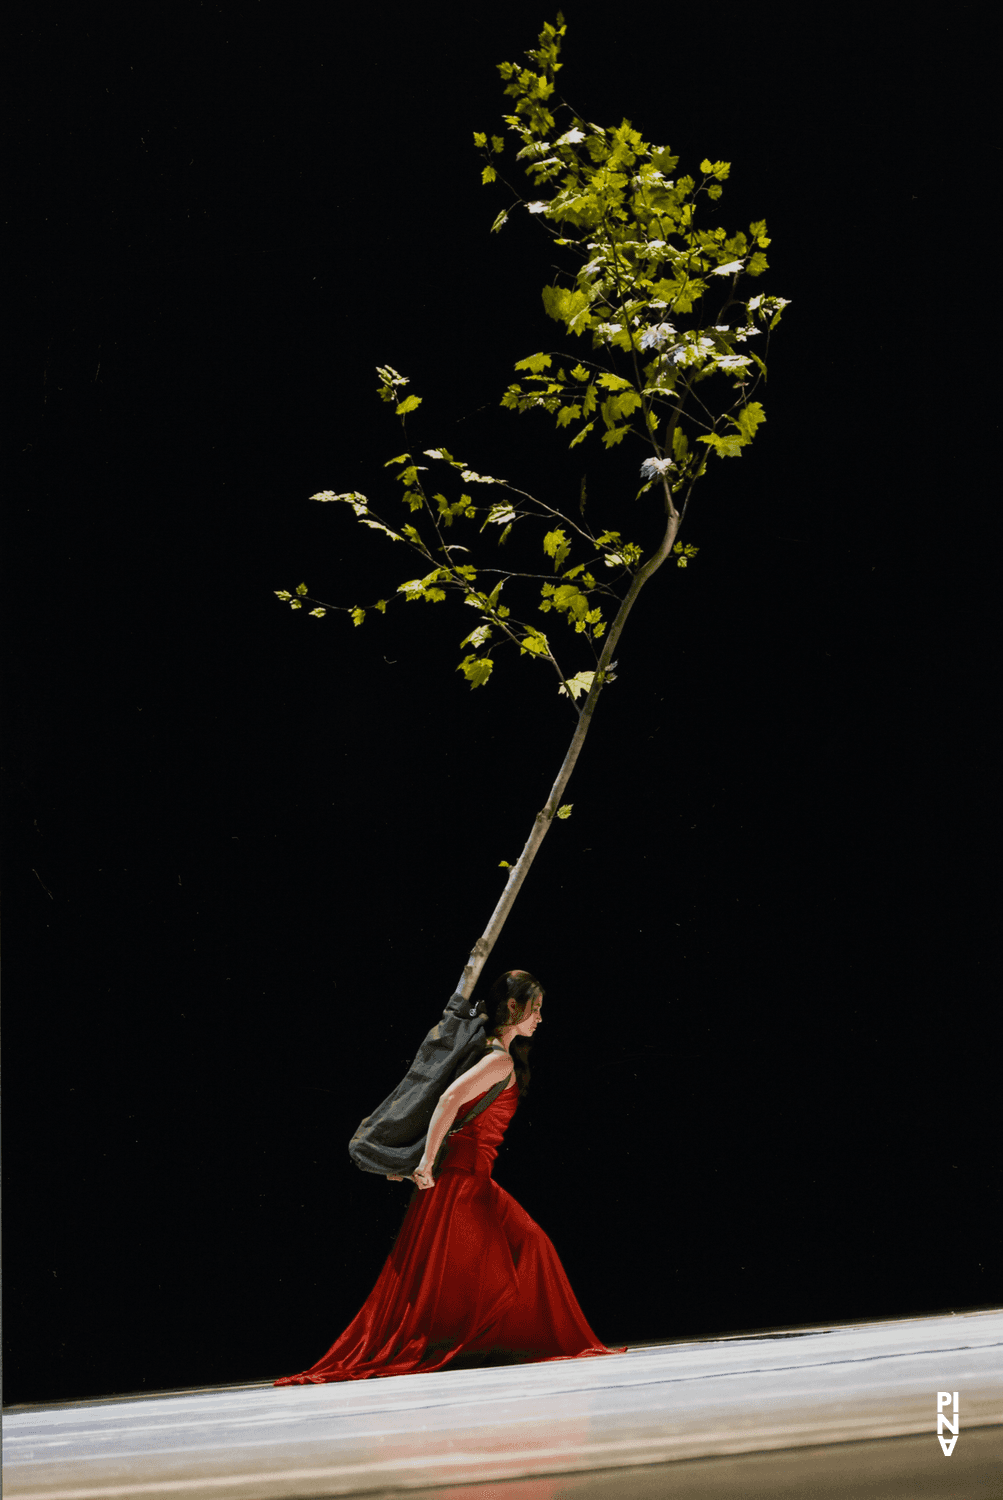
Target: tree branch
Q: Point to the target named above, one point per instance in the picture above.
(482, 948)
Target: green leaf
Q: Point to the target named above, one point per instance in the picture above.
(534, 363)
(476, 669)
(421, 588)
(498, 144)
(499, 221)
(499, 515)
(488, 174)
(749, 419)
(729, 446)
(410, 403)
(580, 683)
(581, 435)
(759, 362)
(283, 594)
(379, 526)
(358, 615)
(625, 403)
(296, 604)
(401, 458)
(320, 613)
(480, 139)
(568, 600)
(503, 864)
(442, 453)
(301, 589)
(472, 478)
(663, 160)
(534, 643)
(626, 555)
(477, 637)
(557, 546)
(445, 509)
(565, 811)
(563, 305)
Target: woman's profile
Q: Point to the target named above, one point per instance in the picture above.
(471, 1280)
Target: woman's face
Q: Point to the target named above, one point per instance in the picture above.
(531, 1017)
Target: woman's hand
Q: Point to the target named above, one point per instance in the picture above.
(422, 1175)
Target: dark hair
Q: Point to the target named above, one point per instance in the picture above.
(521, 987)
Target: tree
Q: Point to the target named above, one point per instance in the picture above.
(659, 371)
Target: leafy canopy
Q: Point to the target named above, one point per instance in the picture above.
(645, 279)
(671, 363)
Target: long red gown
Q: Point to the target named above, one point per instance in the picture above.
(471, 1278)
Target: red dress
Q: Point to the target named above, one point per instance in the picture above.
(471, 1279)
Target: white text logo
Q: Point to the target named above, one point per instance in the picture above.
(944, 1399)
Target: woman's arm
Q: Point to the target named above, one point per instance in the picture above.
(477, 1080)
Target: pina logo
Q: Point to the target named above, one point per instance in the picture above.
(944, 1399)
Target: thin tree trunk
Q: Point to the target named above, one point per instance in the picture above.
(482, 948)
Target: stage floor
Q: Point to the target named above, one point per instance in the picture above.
(828, 1411)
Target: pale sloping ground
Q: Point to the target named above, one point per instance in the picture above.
(854, 1394)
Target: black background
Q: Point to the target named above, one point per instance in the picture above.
(247, 851)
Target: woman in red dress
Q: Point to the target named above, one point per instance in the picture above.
(471, 1279)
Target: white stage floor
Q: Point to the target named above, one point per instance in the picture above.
(844, 1410)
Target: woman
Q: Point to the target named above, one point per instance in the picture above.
(471, 1279)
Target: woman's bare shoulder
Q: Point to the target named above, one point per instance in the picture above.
(494, 1066)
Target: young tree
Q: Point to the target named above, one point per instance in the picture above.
(664, 369)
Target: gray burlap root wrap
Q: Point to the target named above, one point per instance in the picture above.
(392, 1138)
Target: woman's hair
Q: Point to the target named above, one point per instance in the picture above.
(521, 987)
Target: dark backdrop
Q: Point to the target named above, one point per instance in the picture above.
(247, 851)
